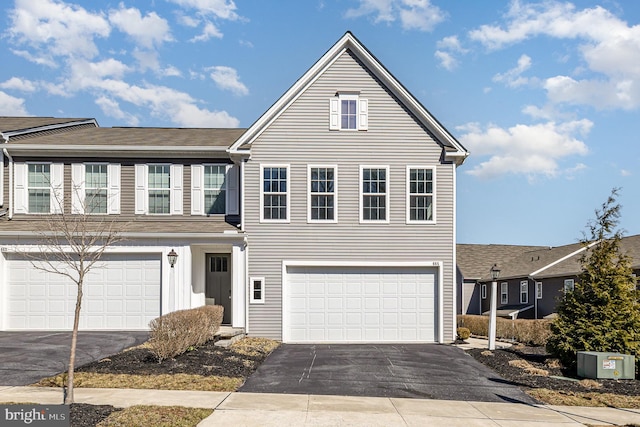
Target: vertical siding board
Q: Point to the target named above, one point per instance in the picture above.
(301, 136)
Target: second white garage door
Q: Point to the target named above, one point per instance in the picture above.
(359, 304)
(124, 293)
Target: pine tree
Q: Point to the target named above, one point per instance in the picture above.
(603, 312)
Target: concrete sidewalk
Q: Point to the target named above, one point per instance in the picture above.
(261, 409)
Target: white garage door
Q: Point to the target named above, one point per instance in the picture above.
(123, 293)
(358, 304)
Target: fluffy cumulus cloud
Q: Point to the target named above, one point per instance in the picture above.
(208, 31)
(19, 84)
(111, 108)
(608, 46)
(53, 28)
(207, 11)
(12, 106)
(529, 150)
(148, 31)
(513, 77)
(226, 78)
(412, 14)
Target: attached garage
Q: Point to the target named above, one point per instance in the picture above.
(360, 304)
(122, 293)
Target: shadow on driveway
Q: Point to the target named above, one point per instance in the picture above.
(428, 371)
(28, 356)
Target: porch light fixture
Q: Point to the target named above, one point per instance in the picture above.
(173, 257)
(495, 273)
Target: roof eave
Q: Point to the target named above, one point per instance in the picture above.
(8, 134)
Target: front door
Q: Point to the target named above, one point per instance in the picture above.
(218, 283)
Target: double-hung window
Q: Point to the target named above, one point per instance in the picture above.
(159, 189)
(95, 188)
(569, 285)
(215, 189)
(348, 111)
(538, 290)
(275, 193)
(256, 290)
(524, 292)
(420, 194)
(322, 194)
(374, 194)
(504, 293)
(39, 187)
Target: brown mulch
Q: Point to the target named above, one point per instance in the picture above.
(85, 415)
(539, 358)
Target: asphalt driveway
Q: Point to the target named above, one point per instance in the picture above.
(427, 371)
(26, 357)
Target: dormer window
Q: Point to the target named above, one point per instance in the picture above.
(348, 111)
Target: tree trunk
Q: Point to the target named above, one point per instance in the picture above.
(74, 339)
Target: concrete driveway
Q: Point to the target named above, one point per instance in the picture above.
(26, 357)
(427, 371)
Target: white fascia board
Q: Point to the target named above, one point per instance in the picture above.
(230, 236)
(558, 261)
(128, 148)
(7, 135)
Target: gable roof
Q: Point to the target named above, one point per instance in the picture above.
(16, 126)
(454, 149)
(475, 261)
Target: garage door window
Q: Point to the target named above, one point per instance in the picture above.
(256, 290)
(39, 188)
(374, 194)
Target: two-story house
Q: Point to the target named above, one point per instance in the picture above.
(330, 219)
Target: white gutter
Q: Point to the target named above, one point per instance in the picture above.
(231, 236)
(74, 147)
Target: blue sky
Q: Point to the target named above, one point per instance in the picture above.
(545, 95)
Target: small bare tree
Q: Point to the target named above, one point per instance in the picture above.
(71, 245)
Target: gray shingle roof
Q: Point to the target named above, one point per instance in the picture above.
(9, 124)
(475, 261)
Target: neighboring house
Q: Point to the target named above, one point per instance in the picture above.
(331, 219)
(532, 278)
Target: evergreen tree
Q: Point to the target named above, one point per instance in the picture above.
(602, 313)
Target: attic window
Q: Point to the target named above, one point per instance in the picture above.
(348, 111)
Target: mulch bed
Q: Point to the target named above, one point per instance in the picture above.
(206, 360)
(85, 415)
(538, 357)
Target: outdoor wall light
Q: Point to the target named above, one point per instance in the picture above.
(173, 257)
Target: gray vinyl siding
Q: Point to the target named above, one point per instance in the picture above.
(300, 137)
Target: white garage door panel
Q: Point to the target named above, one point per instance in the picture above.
(123, 293)
(351, 304)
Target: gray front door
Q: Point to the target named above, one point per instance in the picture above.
(218, 282)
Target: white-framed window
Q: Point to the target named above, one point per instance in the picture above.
(274, 193)
(374, 194)
(538, 290)
(322, 193)
(483, 291)
(95, 188)
(256, 290)
(569, 285)
(420, 194)
(348, 111)
(159, 189)
(215, 189)
(524, 292)
(38, 187)
(504, 293)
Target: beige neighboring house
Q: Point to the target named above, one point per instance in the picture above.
(532, 278)
(330, 219)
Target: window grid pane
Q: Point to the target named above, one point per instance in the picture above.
(348, 114)
(374, 200)
(215, 189)
(421, 194)
(274, 185)
(322, 193)
(159, 189)
(39, 187)
(96, 188)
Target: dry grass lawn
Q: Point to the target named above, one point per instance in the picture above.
(553, 397)
(157, 416)
(159, 382)
(528, 367)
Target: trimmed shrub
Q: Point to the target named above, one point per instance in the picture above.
(526, 331)
(174, 333)
(463, 333)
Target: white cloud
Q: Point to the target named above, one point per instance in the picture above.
(171, 71)
(530, 150)
(40, 60)
(111, 108)
(223, 9)
(209, 30)
(188, 21)
(625, 172)
(447, 48)
(513, 77)
(447, 60)
(54, 28)
(12, 106)
(412, 14)
(16, 83)
(608, 46)
(450, 43)
(149, 31)
(226, 78)
(147, 59)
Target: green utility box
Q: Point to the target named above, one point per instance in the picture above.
(602, 365)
